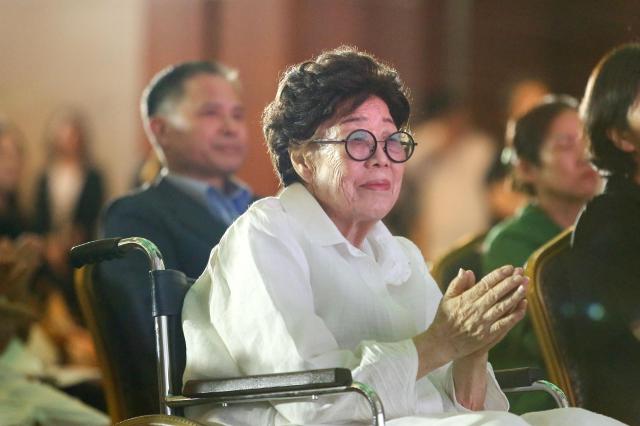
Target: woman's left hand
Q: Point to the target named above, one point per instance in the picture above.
(472, 317)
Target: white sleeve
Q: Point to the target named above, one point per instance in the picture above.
(261, 304)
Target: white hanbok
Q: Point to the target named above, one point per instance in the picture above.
(285, 291)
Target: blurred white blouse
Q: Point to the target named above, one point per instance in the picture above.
(285, 291)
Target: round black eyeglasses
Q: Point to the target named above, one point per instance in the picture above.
(361, 145)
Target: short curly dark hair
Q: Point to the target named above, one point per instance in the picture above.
(614, 87)
(311, 92)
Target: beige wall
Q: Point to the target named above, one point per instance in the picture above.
(99, 54)
(84, 53)
(260, 49)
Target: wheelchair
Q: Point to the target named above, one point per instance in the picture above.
(168, 289)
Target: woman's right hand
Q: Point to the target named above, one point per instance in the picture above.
(472, 318)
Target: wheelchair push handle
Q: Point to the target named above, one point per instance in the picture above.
(114, 248)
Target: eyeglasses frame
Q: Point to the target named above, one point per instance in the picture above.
(344, 141)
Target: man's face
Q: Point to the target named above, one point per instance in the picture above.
(203, 134)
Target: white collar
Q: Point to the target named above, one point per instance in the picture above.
(383, 247)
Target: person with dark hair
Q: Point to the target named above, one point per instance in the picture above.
(313, 279)
(195, 120)
(605, 273)
(550, 165)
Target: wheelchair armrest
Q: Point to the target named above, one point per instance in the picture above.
(529, 379)
(253, 385)
(518, 377)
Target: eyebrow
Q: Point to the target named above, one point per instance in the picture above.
(356, 118)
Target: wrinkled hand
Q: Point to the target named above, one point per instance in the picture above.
(472, 318)
(476, 317)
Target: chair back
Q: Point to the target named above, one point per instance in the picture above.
(113, 380)
(130, 374)
(549, 297)
(466, 253)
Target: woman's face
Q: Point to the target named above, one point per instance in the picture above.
(67, 139)
(564, 169)
(353, 192)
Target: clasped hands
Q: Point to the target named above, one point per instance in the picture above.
(472, 317)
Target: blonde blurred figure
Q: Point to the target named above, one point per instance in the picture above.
(70, 191)
(19, 249)
(69, 196)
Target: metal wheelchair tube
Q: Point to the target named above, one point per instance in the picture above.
(156, 263)
(114, 248)
(373, 399)
(542, 385)
(165, 387)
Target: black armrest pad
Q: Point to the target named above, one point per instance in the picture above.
(518, 377)
(250, 385)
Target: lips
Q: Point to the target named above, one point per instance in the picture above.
(589, 173)
(377, 185)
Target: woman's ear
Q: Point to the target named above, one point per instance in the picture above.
(301, 161)
(621, 139)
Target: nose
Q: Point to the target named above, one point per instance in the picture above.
(379, 157)
(230, 124)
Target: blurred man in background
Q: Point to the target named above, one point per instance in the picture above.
(195, 120)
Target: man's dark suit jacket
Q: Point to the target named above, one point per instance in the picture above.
(185, 232)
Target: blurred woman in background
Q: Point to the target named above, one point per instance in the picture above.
(551, 167)
(69, 196)
(70, 191)
(13, 223)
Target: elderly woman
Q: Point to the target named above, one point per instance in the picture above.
(313, 279)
